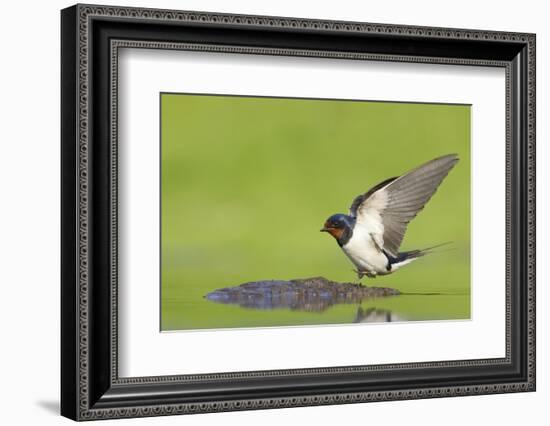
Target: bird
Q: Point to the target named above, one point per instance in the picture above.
(371, 234)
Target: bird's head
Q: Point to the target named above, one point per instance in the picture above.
(338, 225)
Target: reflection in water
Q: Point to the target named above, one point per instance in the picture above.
(312, 294)
(376, 315)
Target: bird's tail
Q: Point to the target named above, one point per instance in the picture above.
(408, 256)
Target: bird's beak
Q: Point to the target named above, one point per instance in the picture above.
(324, 229)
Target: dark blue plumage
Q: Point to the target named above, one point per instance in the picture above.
(343, 226)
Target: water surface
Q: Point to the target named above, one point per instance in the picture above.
(199, 313)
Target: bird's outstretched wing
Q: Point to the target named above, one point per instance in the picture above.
(387, 208)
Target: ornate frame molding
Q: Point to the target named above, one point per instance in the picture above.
(86, 404)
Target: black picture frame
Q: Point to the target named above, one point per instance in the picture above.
(90, 386)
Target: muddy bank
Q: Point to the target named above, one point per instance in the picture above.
(308, 294)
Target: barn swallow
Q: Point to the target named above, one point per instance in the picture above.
(372, 233)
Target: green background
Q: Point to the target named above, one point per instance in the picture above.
(248, 182)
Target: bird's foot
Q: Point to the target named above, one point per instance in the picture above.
(361, 274)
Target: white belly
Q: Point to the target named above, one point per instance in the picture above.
(364, 253)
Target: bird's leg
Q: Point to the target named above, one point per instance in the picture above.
(361, 274)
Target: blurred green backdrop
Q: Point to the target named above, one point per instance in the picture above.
(248, 182)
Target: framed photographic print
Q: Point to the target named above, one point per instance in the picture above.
(263, 212)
